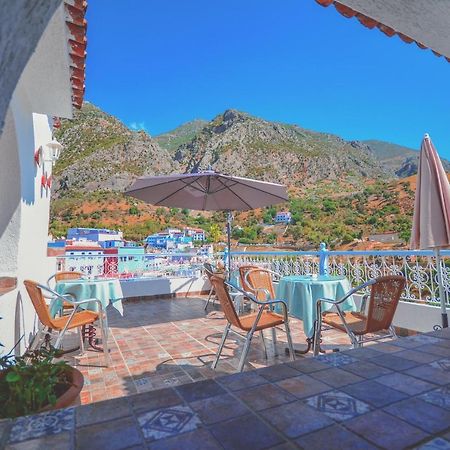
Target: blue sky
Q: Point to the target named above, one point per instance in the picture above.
(157, 64)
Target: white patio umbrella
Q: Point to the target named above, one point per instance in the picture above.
(208, 191)
(431, 221)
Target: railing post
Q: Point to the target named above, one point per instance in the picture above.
(323, 259)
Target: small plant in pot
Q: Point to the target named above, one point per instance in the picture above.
(34, 382)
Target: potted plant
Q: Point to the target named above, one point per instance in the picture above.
(34, 382)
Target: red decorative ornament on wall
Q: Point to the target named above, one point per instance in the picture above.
(38, 156)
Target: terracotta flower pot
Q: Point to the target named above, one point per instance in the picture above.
(71, 395)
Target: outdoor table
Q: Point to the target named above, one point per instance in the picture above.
(301, 293)
(105, 290)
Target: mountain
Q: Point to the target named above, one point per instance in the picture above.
(339, 190)
(238, 143)
(100, 152)
(180, 135)
(403, 161)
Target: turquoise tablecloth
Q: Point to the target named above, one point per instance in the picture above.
(104, 290)
(302, 292)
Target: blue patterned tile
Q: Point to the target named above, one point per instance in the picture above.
(336, 359)
(44, 424)
(439, 397)
(338, 405)
(442, 364)
(435, 444)
(168, 422)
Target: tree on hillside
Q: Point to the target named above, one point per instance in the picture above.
(215, 232)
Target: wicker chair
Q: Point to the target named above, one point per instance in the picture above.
(62, 276)
(261, 282)
(210, 271)
(374, 317)
(263, 319)
(77, 318)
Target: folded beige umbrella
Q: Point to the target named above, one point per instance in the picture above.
(431, 221)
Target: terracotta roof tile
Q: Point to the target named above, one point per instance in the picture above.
(368, 22)
(77, 27)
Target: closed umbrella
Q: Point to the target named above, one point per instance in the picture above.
(431, 221)
(208, 191)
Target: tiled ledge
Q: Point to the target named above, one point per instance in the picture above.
(394, 395)
(7, 284)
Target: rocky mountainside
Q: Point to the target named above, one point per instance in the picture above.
(100, 152)
(238, 143)
(180, 135)
(403, 161)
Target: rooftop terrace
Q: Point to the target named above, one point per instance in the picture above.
(389, 395)
(170, 342)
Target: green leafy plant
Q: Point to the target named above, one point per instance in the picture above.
(31, 382)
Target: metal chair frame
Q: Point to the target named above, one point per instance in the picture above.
(207, 267)
(248, 338)
(268, 297)
(103, 319)
(356, 340)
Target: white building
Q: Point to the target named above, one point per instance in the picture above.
(197, 234)
(283, 217)
(44, 77)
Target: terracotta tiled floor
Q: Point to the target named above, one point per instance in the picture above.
(163, 343)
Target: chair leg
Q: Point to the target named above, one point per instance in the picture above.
(104, 338)
(393, 332)
(209, 297)
(264, 343)
(222, 343)
(289, 339)
(80, 333)
(248, 341)
(274, 341)
(317, 336)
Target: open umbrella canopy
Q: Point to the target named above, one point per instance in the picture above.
(207, 191)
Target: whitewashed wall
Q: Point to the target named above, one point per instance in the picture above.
(42, 91)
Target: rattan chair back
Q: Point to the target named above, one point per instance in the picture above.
(384, 297)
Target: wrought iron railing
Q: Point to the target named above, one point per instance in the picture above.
(418, 267)
(130, 265)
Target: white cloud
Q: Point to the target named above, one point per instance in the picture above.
(137, 126)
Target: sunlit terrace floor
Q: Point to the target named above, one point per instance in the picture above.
(169, 342)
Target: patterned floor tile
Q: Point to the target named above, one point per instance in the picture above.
(439, 397)
(168, 422)
(435, 444)
(338, 405)
(48, 423)
(337, 359)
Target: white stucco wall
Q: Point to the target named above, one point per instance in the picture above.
(43, 88)
(23, 250)
(9, 198)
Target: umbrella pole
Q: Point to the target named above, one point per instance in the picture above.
(442, 295)
(229, 219)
